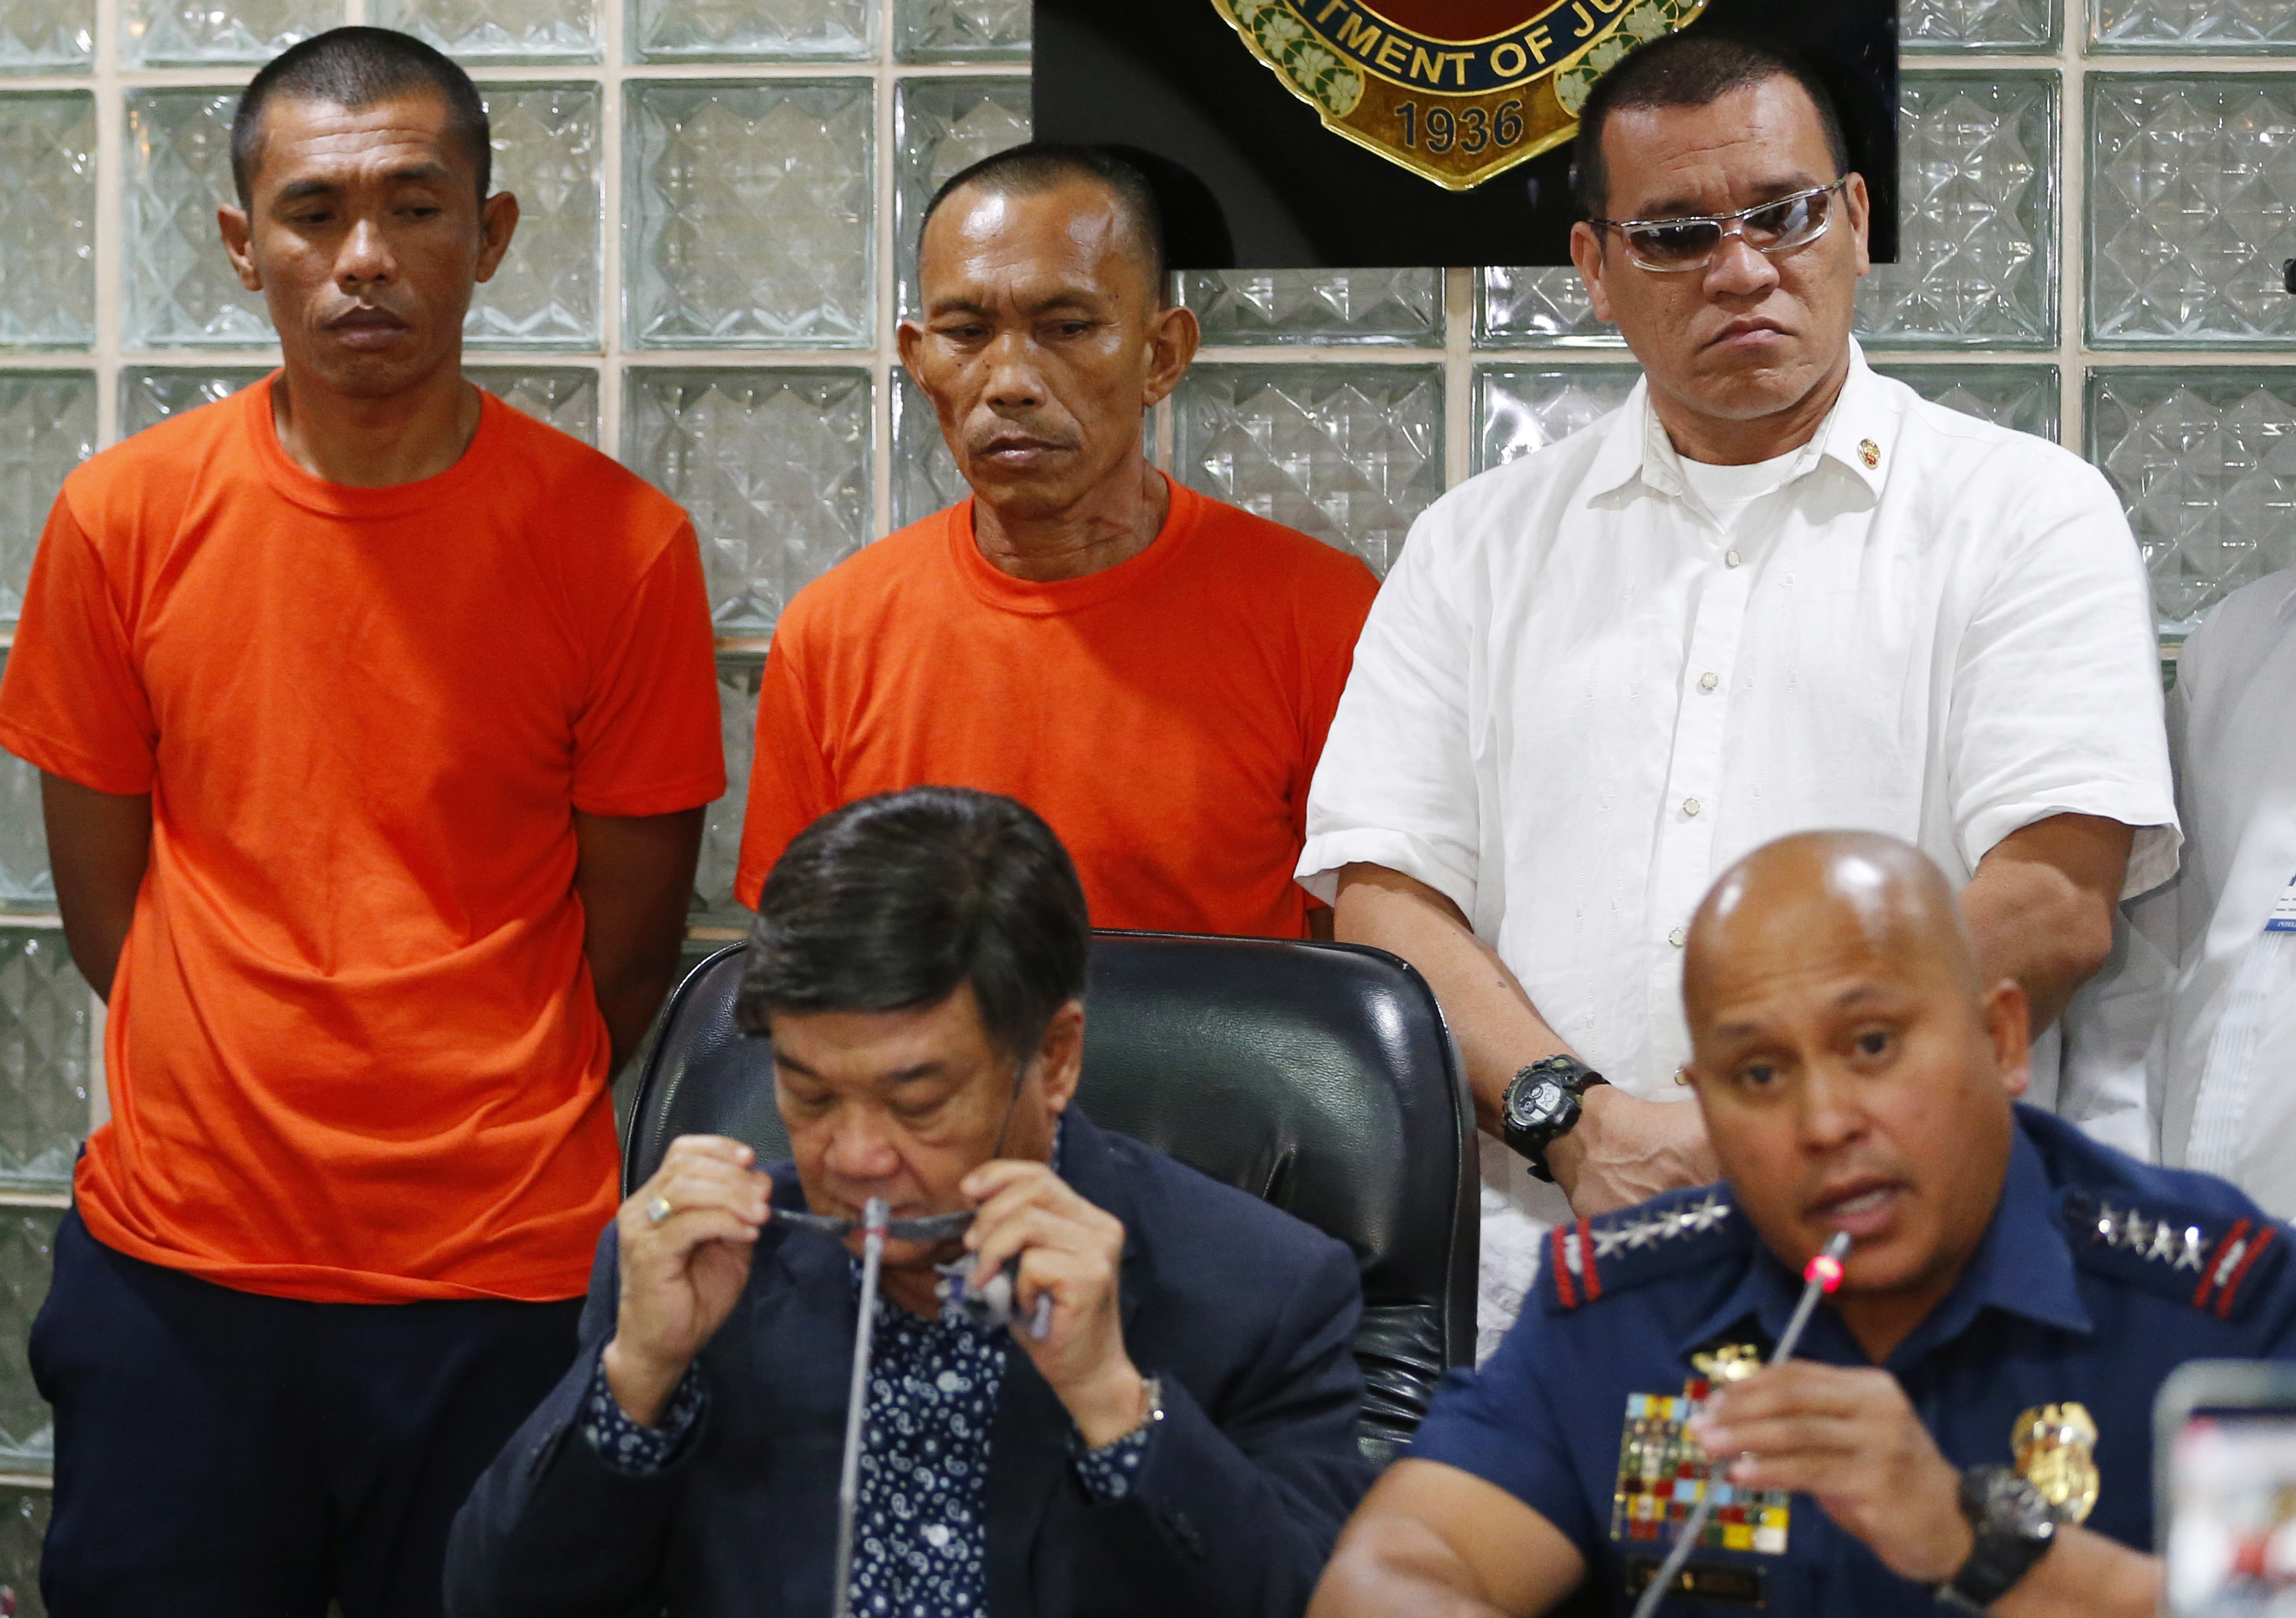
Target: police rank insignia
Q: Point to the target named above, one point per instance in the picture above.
(1662, 1471)
(1454, 93)
(2055, 1451)
(2216, 1266)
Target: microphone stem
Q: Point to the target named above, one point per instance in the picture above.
(1693, 1526)
(874, 1221)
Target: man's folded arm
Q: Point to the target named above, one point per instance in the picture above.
(1433, 1541)
(554, 1529)
(99, 847)
(1242, 1513)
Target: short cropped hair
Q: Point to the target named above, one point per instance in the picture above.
(1042, 165)
(358, 67)
(1691, 67)
(896, 901)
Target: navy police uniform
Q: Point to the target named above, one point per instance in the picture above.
(2096, 1277)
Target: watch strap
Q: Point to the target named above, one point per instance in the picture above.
(2001, 1554)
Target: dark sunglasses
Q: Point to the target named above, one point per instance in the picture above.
(1690, 243)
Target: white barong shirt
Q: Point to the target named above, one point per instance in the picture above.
(1580, 698)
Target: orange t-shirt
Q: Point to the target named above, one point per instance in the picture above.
(354, 1051)
(1164, 716)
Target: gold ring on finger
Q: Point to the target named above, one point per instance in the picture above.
(658, 1209)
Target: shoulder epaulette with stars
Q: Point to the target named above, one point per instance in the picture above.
(2212, 1262)
(1594, 1258)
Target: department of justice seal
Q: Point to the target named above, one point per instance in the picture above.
(1454, 90)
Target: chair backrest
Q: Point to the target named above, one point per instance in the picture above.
(1320, 1076)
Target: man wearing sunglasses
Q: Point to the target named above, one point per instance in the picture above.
(1774, 592)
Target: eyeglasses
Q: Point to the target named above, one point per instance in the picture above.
(1690, 243)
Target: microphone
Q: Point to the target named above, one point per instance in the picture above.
(876, 1218)
(994, 1305)
(1821, 1276)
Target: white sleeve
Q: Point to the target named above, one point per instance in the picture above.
(2116, 1050)
(1396, 785)
(2116, 1038)
(2056, 702)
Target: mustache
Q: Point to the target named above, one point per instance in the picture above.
(982, 440)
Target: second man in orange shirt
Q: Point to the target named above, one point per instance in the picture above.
(1150, 671)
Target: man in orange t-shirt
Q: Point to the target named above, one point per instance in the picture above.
(1150, 671)
(375, 719)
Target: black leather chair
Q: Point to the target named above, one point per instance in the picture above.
(1320, 1076)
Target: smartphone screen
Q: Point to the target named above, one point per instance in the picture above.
(2232, 1538)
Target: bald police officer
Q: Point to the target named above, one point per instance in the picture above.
(1968, 1420)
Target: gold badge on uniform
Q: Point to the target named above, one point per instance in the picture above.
(1727, 1362)
(1662, 1472)
(1397, 77)
(2055, 1449)
(1869, 452)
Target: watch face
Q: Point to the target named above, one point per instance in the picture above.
(2017, 1506)
(1542, 1103)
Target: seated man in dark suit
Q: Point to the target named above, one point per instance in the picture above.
(1181, 1438)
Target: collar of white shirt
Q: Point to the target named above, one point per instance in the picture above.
(1856, 435)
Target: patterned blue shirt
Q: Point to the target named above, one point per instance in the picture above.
(920, 1545)
(920, 1539)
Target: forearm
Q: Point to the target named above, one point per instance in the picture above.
(99, 847)
(635, 877)
(2040, 908)
(630, 995)
(1399, 1568)
(96, 939)
(642, 1383)
(1499, 1029)
(2086, 1576)
(2027, 928)
(1624, 1149)
(1433, 1540)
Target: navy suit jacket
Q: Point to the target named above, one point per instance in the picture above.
(1245, 1313)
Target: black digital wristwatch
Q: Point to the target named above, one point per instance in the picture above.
(2014, 1526)
(1544, 1102)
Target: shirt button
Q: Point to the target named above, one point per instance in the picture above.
(1730, 558)
(1707, 682)
(1677, 938)
(1689, 807)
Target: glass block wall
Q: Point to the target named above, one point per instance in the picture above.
(718, 203)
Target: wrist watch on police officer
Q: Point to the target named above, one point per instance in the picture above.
(2014, 1526)
(1543, 1105)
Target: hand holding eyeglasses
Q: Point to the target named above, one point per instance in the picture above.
(683, 1244)
(1074, 1251)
